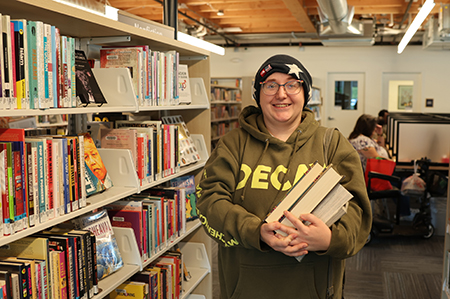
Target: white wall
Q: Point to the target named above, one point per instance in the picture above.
(434, 66)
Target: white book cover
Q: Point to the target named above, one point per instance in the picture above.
(184, 86)
(7, 79)
(56, 169)
(48, 68)
(40, 64)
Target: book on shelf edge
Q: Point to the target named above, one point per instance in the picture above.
(87, 87)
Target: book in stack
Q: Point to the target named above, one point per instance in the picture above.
(317, 192)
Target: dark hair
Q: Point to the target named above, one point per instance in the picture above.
(365, 125)
(382, 112)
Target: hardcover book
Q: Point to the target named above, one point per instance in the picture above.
(87, 87)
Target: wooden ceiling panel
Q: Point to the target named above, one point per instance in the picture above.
(270, 16)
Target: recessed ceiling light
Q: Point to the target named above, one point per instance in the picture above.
(220, 12)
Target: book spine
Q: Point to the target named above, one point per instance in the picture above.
(40, 65)
(12, 44)
(48, 76)
(5, 195)
(41, 175)
(94, 262)
(55, 177)
(32, 63)
(50, 175)
(30, 173)
(7, 75)
(18, 186)
(62, 275)
(57, 68)
(82, 171)
(20, 63)
(66, 177)
(35, 184)
(53, 67)
(72, 71)
(74, 175)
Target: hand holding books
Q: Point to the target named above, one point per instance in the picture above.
(313, 204)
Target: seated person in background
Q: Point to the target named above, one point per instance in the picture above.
(366, 128)
(361, 138)
(381, 132)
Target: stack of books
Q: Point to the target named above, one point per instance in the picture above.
(318, 192)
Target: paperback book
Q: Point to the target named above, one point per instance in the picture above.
(87, 87)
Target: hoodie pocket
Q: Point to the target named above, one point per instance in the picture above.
(276, 281)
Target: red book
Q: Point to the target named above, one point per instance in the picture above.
(17, 137)
(140, 158)
(19, 210)
(50, 174)
(5, 192)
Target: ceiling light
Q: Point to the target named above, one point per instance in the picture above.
(232, 29)
(220, 12)
(418, 20)
(186, 38)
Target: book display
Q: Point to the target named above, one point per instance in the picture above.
(226, 102)
(73, 26)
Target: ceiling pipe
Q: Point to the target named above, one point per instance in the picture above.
(337, 14)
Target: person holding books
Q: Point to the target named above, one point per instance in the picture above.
(361, 138)
(250, 172)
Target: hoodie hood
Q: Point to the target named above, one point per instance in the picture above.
(251, 120)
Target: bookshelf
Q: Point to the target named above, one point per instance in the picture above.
(83, 25)
(226, 105)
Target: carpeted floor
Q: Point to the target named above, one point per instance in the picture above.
(389, 268)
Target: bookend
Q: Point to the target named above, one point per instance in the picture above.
(116, 86)
(198, 91)
(120, 166)
(128, 247)
(197, 263)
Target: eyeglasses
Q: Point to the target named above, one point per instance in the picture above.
(270, 88)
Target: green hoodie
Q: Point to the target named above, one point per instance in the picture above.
(248, 173)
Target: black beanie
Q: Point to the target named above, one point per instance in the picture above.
(282, 64)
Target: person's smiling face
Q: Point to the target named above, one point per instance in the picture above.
(282, 108)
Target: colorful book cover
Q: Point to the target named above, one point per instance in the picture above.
(109, 259)
(187, 182)
(130, 289)
(96, 175)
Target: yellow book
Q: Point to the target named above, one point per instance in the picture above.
(130, 289)
(54, 258)
(158, 275)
